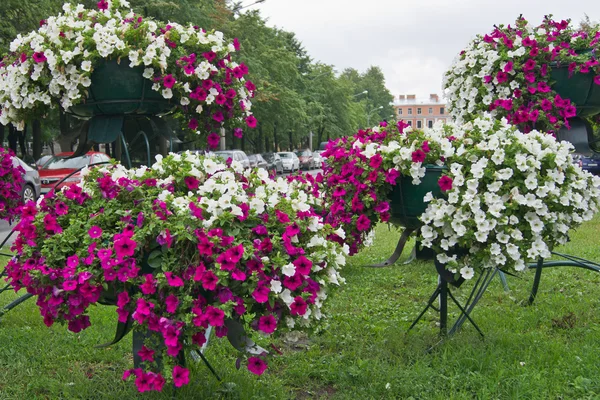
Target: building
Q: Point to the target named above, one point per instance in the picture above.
(420, 113)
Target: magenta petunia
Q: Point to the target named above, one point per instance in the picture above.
(169, 81)
(95, 232)
(215, 316)
(213, 140)
(363, 223)
(299, 306)
(267, 324)
(171, 302)
(102, 5)
(173, 280)
(418, 156)
(181, 376)
(251, 121)
(238, 133)
(256, 365)
(39, 57)
(193, 124)
(445, 183)
(146, 354)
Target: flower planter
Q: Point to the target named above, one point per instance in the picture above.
(117, 89)
(579, 88)
(406, 199)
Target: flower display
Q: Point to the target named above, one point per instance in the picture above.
(11, 181)
(361, 171)
(506, 197)
(511, 198)
(509, 73)
(186, 244)
(188, 66)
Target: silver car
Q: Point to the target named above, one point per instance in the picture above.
(32, 185)
(235, 155)
(290, 161)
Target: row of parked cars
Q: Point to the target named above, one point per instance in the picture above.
(62, 169)
(279, 162)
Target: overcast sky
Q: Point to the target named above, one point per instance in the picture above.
(414, 41)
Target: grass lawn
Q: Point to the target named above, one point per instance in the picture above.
(550, 350)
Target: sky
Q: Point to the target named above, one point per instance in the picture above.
(412, 41)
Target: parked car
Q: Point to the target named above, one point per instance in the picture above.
(235, 155)
(319, 159)
(257, 161)
(31, 188)
(64, 164)
(290, 161)
(43, 160)
(274, 162)
(307, 160)
(588, 162)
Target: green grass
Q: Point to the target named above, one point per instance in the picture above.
(550, 350)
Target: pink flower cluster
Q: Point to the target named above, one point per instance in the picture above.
(357, 186)
(11, 181)
(205, 273)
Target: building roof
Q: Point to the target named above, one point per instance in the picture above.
(419, 101)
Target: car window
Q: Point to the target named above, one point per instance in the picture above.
(101, 158)
(60, 162)
(287, 155)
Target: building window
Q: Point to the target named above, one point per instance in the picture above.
(430, 110)
(409, 122)
(419, 124)
(419, 110)
(399, 111)
(430, 124)
(410, 111)
(441, 110)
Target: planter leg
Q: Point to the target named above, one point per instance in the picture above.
(443, 307)
(15, 303)
(536, 281)
(432, 299)
(398, 252)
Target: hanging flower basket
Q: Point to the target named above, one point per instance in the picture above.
(537, 77)
(188, 244)
(109, 61)
(406, 199)
(118, 89)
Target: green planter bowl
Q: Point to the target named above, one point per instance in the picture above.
(117, 89)
(579, 88)
(406, 199)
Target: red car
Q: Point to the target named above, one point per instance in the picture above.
(60, 166)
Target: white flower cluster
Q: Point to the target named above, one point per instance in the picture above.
(56, 61)
(464, 86)
(514, 197)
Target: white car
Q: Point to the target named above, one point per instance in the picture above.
(290, 161)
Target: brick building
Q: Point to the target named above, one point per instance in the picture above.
(420, 113)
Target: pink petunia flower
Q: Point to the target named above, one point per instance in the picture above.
(181, 376)
(256, 365)
(95, 232)
(169, 81)
(445, 183)
(267, 324)
(213, 140)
